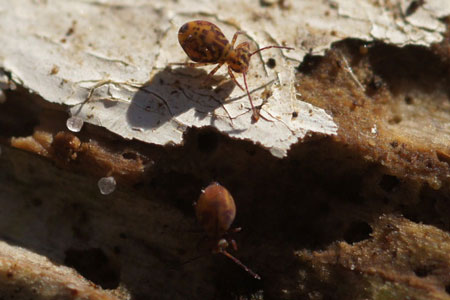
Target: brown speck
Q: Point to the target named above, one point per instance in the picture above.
(266, 94)
(54, 70)
(271, 63)
(71, 30)
(409, 100)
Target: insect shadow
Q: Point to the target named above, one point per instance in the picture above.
(172, 92)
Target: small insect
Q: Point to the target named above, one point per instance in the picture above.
(215, 210)
(205, 44)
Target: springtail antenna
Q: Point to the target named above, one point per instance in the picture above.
(255, 115)
(268, 47)
(238, 262)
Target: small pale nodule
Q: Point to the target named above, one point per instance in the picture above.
(106, 185)
(74, 123)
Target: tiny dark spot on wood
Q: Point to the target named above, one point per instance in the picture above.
(271, 63)
(388, 182)
(409, 100)
(423, 271)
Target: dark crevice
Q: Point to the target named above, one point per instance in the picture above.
(388, 183)
(423, 271)
(94, 265)
(357, 231)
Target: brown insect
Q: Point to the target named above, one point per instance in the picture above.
(205, 44)
(215, 210)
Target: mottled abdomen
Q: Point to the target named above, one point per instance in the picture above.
(215, 210)
(203, 42)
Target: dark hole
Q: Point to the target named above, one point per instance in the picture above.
(357, 231)
(207, 141)
(409, 100)
(423, 271)
(271, 63)
(409, 213)
(295, 114)
(129, 155)
(18, 115)
(94, 265)
(447, 288)
(389, 182)
(443, 157)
